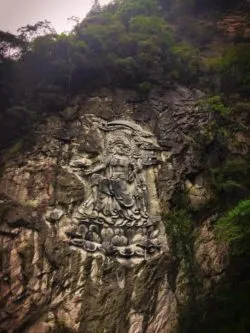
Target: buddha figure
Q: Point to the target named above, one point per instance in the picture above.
(115, 217)
(118, 194)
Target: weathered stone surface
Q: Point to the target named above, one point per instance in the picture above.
(48, 285)
(210, 255)
(119, 212)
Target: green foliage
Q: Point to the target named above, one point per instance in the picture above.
(227, 117)
(234, 228)
(29, 32)
(15, 148)
(179, 228)
(232, 314)
(228, 309)
(232, 175)
(199, 32)
(132, 8)
(241, 106)
(216, 104)
(187, 61)
(181, 236)
(11, 46)
(233, 68)
(202, 5)
(145, 87)
(220, 122)
(124, 44)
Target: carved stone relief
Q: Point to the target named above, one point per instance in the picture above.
(119, 214)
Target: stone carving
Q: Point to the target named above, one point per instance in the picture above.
(117, 215)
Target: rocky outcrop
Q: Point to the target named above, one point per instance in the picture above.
(57, 275)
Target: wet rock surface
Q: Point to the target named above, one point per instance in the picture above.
(50, 285)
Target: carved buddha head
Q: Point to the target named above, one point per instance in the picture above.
(119, 145)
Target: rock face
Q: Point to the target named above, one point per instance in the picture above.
(83, 243)
(119, 212)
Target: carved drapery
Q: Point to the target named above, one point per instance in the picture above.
(119, 213)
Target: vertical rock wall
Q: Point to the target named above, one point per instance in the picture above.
(69, 264)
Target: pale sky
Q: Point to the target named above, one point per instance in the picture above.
(17, 13)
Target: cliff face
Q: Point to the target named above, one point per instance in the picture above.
(85, 244)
